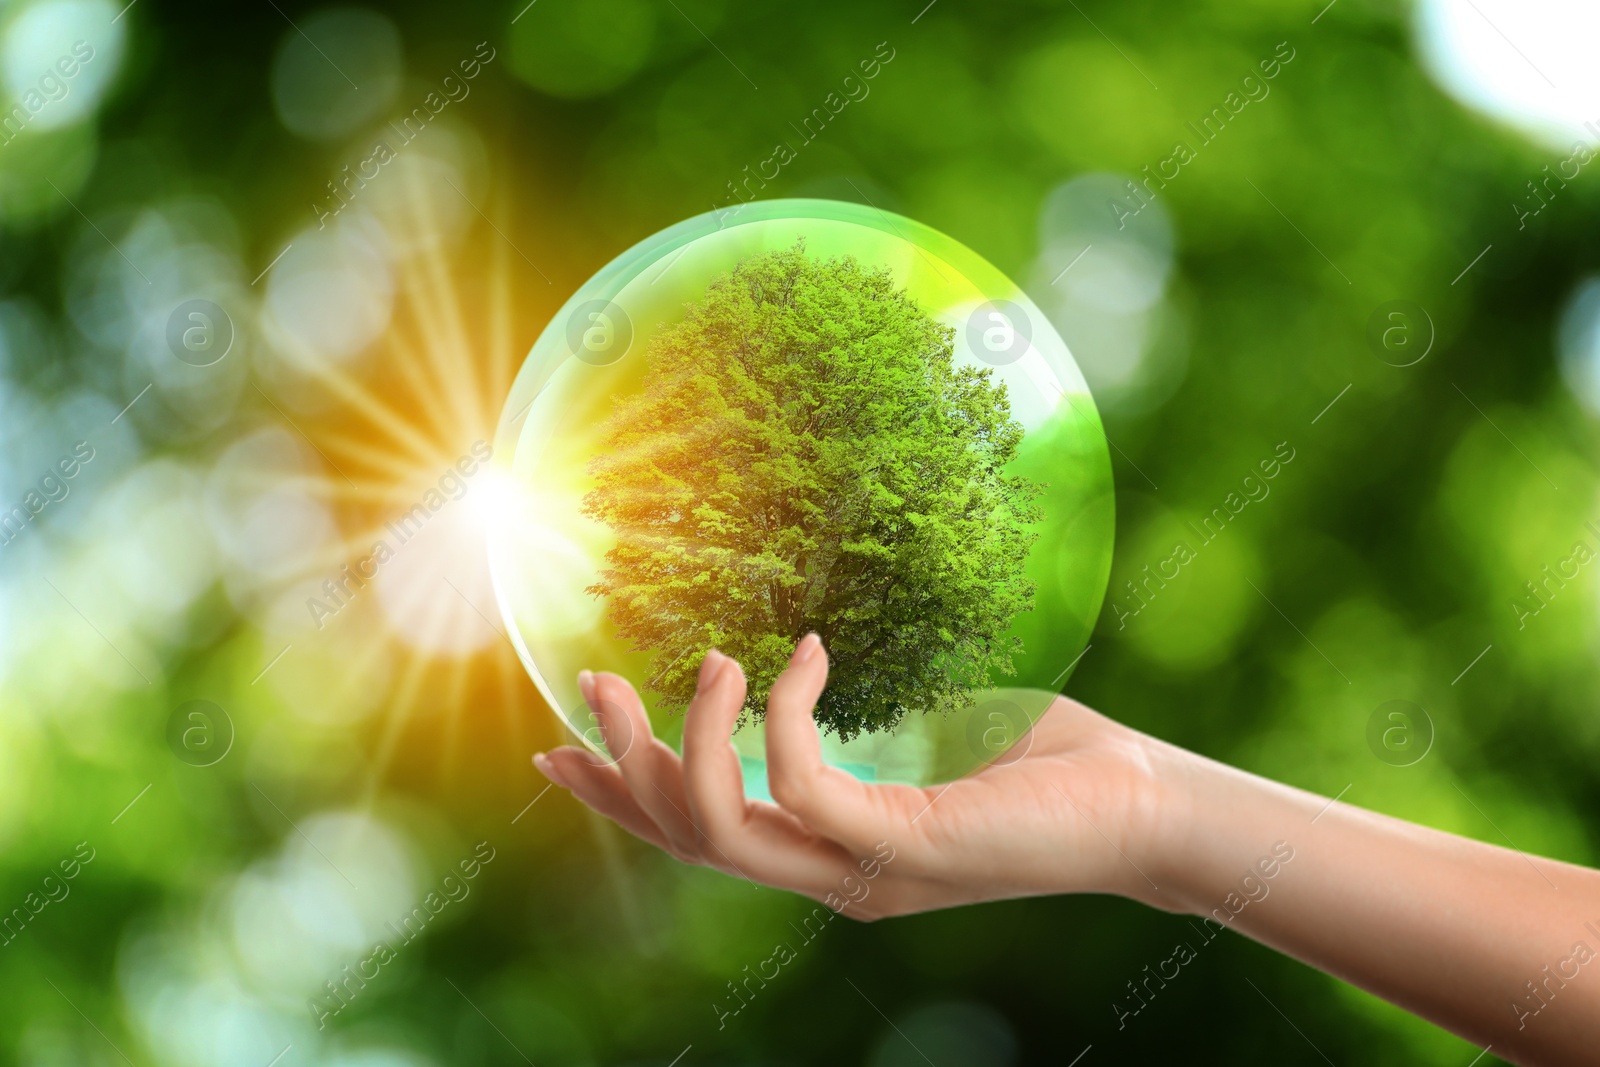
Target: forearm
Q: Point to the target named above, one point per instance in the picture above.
(1499, 947)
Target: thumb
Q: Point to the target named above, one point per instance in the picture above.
(830, 801)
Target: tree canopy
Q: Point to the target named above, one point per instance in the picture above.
(804, 455)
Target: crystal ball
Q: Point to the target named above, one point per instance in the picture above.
(807, 415)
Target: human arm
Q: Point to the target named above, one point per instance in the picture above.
(1448, 928)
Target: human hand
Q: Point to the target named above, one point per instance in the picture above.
(1085, 809)
(1093, 806)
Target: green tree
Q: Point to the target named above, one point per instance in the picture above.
(804, 456)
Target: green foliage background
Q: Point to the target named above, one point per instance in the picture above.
(1383, 562)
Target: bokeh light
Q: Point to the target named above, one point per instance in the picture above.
(336, 71)
(331, 295)
(1102, 276)
(1524, 62)
(59, 58)
(1578, 343)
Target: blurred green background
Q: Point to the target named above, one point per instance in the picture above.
(367, 333)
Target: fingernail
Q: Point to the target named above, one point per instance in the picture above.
(586, 686)
(709, 669)
(546, 768)
(805, 649)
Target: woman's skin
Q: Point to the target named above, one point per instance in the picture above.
(1499, 947)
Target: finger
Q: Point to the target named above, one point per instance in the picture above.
(713, 780)
(649, 768)
(755, 841)
(831, 801)
(601, 787)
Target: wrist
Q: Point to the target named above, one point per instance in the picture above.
(1171, 820)
(1221, 835)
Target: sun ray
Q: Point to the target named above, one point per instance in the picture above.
(407, 691)
(436, 360)
(399, 468)
(376, 412)
(426, 365)
(364, 491)
(429, 287)
(417, 375)
(456, 343)
(452, 348)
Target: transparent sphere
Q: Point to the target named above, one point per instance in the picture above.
(800, 415)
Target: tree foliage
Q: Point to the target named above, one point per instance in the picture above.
(804, 456)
